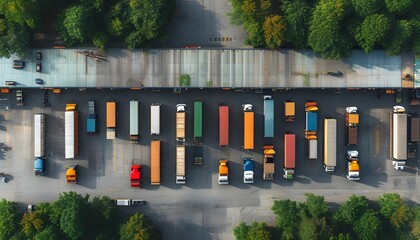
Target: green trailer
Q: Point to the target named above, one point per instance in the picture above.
(198, 121)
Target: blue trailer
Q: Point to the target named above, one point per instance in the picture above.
(91, 119)
(268, 117)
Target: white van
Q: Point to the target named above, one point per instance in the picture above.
(122, 202)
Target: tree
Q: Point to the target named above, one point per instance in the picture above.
(372, 31)
(241, 231)
(352, 210)
(9, 219)
(138, 227)
(401, 36)
(274, 28)
(50, 233)
(415, 228)
(99, 40)
(14, 39)
(399, 6)
(21, 12)
(259, 231)
(32, 223)
(325, 34)
(78, 23)
(316, 206)
(287, 221)
(366, 8)
(297, 15)
(368, 226)
(313, 214)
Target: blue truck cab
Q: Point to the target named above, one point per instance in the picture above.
(91, 118)
(39, 166)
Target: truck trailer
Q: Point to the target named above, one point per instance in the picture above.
(289, 155)
(353, 165)
(111, 120)
(223, 172)
(352, 123)
(311, 114)
(155, 119)
(398, 137)
(198, 121)
(268, 117)
(289, 111)
(330, 144)
(135, 175)
(180, 122)
(91, 126)
(39, 135)
(223, 126)
(134, 121)
(71, 131)
(248, 127)
(180, 164)
(248, 165)
(268, 172)
(155, 162)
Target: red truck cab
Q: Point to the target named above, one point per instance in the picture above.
(135, 176)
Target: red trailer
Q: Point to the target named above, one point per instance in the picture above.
(223, 126)
(289, 155)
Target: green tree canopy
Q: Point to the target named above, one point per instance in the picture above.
(399, 6)
(401, 37)
(368, 226)
(297, 15)
(14, 39)
(372, 31)
(366, 8)
(21, 12)
(241, 231)
(259, 231)
(78, 23)
(9, 219)
(352, 210)
(287, 213)
(139, 227)
(274, 28)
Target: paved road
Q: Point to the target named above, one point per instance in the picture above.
(201, 209)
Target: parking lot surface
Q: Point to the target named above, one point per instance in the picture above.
(201, 209)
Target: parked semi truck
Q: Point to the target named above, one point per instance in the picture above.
(71, 131)
(414, 122)
(289, 111)
(198, 155)
(311, 110)
(198, 121)
(71, 173)
(180, 164)
(268, 172)
(248, 165)
(39, 147)
(353, 165)
(398, 137)
(248, 127)
(330, 144)
(268, 117)
(223, 172)
(223, 126)
(352, 123)
(134, 121)
(91, 127)
(289, 155)
(135, 175)
(111, 120)
(155, 119)
(155, 162)
(180, 122)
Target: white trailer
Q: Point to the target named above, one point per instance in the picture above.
(330, 144)
(399, 137)
(134, 121)
(313, 149)
(39, 135)
(155, 119)
(70, 119)
(180, 164)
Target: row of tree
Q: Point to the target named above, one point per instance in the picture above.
(135, 22)
(358, 218)
(331, 28)
(73, 216)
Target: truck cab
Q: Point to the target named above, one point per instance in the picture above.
(223, 172)
(39, 167)
(135, 175)
(353, 165)
(71, 173)
(248, 170)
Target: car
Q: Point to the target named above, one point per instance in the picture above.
(18, 64)
(335, 74)
(38, 56)
(38, 67)
(39, 81)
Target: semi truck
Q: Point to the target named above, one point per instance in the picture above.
(180, 122)
(289, 155)
(353, 165)
(180, 164)
(91, 127)
(71, 131)
(268, 117)
(248, 127)
(311, 110)
(198, 155)
(223, 126)
(155, 119)
(135, 175)
(155, 162)
(198, 121)
(398, 137)
(111, 120)
(352, 123)
(268, 172)
(71, 173)
(330, 144)
(223, 172)
(134, 121)
(414, 128)
(248, 165)
(289, 111)
(39, 166)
